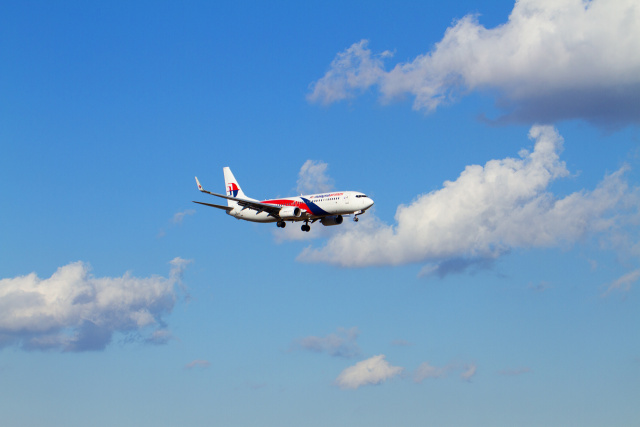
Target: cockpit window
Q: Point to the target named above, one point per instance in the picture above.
(360, 195)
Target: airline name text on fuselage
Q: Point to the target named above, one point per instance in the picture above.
(323, 196)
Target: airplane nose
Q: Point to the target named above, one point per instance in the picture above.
(369, 202)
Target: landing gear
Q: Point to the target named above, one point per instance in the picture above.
(281, 224)
(306, 227)
(355, 217)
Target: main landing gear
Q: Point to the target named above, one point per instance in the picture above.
(305, 227)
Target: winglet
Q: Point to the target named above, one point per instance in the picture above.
(199, 186)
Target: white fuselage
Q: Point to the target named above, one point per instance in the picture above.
(311, 207)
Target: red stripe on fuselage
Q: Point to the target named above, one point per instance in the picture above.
(289, 202)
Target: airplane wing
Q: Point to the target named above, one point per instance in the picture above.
(255, 205)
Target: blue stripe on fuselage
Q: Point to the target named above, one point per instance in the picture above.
(315, 209)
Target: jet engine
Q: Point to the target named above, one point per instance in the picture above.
(290, 212)
(331, 220)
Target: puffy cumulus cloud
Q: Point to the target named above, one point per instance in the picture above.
(313, 178)
(552, 60)
(352, 71)
(374, 370)
(484, 213)
(342, 343)
(74, 311)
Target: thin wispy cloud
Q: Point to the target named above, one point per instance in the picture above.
(179, 217)
(159, 337)
(342, 343)
(176, 220)
(74, 311)
(427, 371)
(624, 283)
(486, 212)
(552, 60)
(372, 371)
(469, 372)
(539, 287)
(198, 363)
(376, 370)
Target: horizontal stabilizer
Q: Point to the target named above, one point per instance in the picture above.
(226, 208)
(244, 202)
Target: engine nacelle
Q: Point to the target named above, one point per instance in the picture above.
(290, 212)
(332, 220)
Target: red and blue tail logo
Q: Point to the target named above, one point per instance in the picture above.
(232, 190)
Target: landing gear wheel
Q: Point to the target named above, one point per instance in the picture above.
(281, 224)
(305, 227)
(356, 219)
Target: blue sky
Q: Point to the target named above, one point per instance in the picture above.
(495, 281)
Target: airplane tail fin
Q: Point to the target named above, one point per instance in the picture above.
(232, 187)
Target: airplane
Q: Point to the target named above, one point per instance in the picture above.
(328, 208)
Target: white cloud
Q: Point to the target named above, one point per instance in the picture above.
(159, 336)
(75, 311)
(179, 217)
(552, 60)
(425, 371)
(484, 213)
(623, 283)
(313, 178)
(342, 343)
(353, 70)
(374, 370)
(469, 372)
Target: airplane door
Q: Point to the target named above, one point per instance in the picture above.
(346, 199)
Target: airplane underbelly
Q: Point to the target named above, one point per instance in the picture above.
(251, 215)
